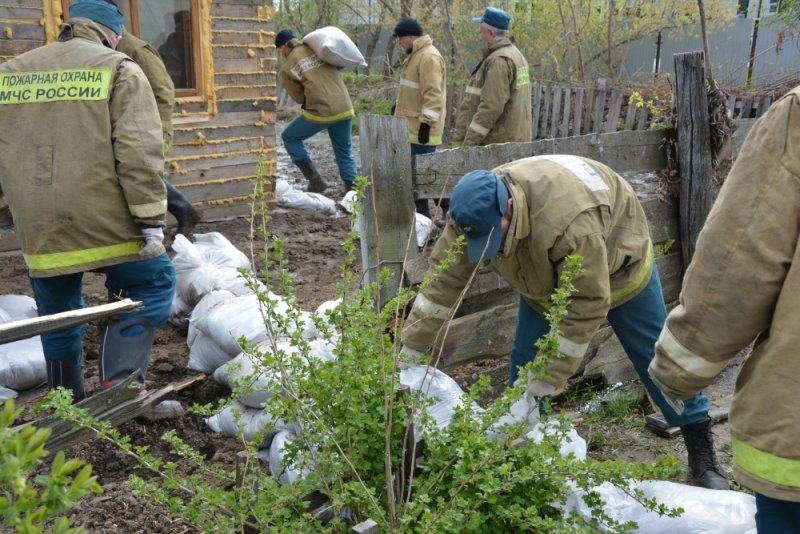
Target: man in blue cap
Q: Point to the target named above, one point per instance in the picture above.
(80, 171)
(523, 219)
(497, 102)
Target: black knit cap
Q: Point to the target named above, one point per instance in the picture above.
(407, 26)
(283, 37)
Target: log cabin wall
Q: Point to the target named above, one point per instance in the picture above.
(222, 133)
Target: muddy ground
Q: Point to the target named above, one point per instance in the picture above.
(313, 250)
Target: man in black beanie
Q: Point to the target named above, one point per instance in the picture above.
(422, 94)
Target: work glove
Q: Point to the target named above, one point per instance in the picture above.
(424, 134)
(153, 238)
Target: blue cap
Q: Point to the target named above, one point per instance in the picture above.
(494, 17)
(477, 205)
(99, 11)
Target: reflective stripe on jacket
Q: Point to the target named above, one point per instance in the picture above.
(316, 85)
(743, 284)
(496, 107)
(83, 154)
(562, 205)
(422, 94)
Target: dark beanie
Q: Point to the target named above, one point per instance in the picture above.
(99, 11)
(283, 37)
(407, 26)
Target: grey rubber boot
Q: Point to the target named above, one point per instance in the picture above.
(705, 469)
(67, 374)
(183, 210)
(122, 355)
(315, 182)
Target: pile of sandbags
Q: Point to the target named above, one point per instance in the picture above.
(22, 364)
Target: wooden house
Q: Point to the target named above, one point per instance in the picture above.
(221, 56)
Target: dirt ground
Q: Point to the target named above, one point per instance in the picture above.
(313, 250)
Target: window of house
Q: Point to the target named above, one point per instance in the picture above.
(173, 28)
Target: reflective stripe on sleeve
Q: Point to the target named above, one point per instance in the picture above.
(471, 90)
(475, 127)
(432, 114)
(570, 348)
(149, 211)
(430, 309)
(409, 84)
(687, 360)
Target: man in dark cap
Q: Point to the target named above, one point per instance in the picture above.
(81, 128)
(497, 102)
(317, 86)
(422, 95)
(523, 219)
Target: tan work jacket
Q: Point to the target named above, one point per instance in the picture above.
(422, 94)
(316, 85)
(744, 284)
(82, 153)
(562, 205)
(497, 101)
(154, 69)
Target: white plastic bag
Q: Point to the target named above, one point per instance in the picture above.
(18, 307)
(422, 228)
(286, 474)
(290, 197)
(22, 364)
(334, 47)
(706, 511)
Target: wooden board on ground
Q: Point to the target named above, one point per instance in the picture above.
(658, 425)
(115, 406)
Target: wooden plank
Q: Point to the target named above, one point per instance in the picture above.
(239, 65)
(763, 105)
(229, 106)
(211, 160)
(599, 106)
(746, 110)
(644, 116)
(226, 52)
(15, 12)
(16, 47)
(662, 219)
(388, 205)
(238, 187)
(253, 37)
(210, 148)
(218, 172)
(236, 24)
(626, 151)
(196, 134)
(731, 106)
(552, 129)
(718, 412)
(23, 329)
(578, 120)
(548, 97)
(233, 10)
(537, 102)
(614, 109)
(564, 132)
(261, 79)
(694, 149)
(630, 116)
(24, 31)
(587, 116)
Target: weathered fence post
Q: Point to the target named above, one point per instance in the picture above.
(388, 205)
(694, 149)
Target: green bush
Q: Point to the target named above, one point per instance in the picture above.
(28, 501)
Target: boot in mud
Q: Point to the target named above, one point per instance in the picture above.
(125, 349)
(705, 470)
(183, 210)
(67, 374)
(315, 182)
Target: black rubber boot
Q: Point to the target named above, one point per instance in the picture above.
(67, 374)
(121, 355)
(183, 210)
(348, 186)
(705, 470)
(315, 182)
(423, 208)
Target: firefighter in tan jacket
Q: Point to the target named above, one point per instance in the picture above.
(497, 102)
(523, 219)
(742, 285)
(326, 104)
(80, 171)
(422, 95)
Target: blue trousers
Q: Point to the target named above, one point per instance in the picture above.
(340, 133)
(775, 516)
(150, 281)
(637, 324)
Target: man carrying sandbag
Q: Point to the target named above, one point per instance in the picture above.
(317, 86)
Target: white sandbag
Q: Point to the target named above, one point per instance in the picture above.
(286, 474)
(571, 441)
(18, 307)
(422, 228)
(236, 419)
(219, 251)
(4, 316)
(22, 364)
(179, 312)
(6, 394)
(519, 411)
(202, 308)
(290, 197)
(311, 331)
(205, 355)
(706, 511)
(333, 46)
